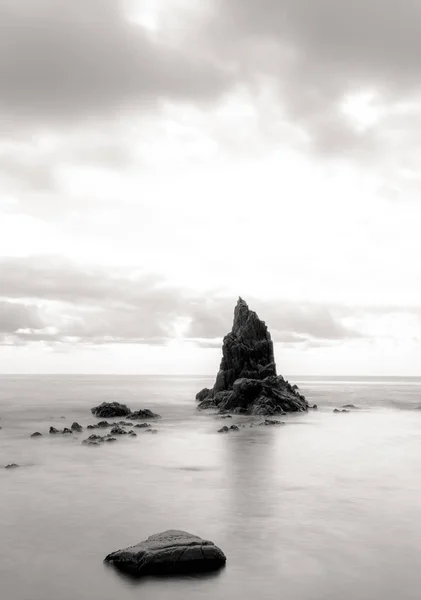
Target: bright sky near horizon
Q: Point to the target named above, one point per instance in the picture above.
(159, 158)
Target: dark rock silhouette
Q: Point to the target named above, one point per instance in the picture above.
(110, 409)
(117, 430)
(226, 429)
(115, 409)
(141, 415)
(36, 434)
(101, 425)
(247, 381)
(76, 427)
(203, 394)
(171, 553)
(12, 466)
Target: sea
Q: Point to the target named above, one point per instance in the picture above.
(325, 507)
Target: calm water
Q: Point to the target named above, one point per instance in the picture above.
(327, 507)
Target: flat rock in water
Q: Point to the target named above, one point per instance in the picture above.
(110, 409)
(169, 553)
(100, 425)
(247, 382)
(141, 415)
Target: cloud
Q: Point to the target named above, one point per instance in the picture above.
(15, 316)
(288, 322)
(54, 300)
(318, 54)
(64, 60)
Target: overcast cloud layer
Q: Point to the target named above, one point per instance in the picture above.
(158, 159)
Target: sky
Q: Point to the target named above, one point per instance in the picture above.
(159, 158)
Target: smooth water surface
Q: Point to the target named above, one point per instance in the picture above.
(326, 507)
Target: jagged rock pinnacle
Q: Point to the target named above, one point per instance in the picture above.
(247, 378)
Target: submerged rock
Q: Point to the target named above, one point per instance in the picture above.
(95, 440)
(117, 430)
(76, 427)
(268, 422)
(247, 382)
(12, 466)
(226, 429)
(100, 425)
(171, 552)
(36, 434)
(110, 409)
(351, 406)
(142, 425)
(141, 415)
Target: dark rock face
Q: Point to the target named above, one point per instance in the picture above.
(247, 382)
(117, 430)
(110, 409)
(200, 396)
(94, 440)
(100, 425)
(170, 552)
(141, 415)
(226, 429)
(76, 427)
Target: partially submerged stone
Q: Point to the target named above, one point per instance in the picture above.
(141, 415)
(226, 429)
(247, 382)
(169, 553)
(36, 434)
(12, 466)
(110, 409)
(76, 427)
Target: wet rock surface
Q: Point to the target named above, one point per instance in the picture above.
(226, 429)
(141, 415)
(247, 382)
(110, 409)
(171, 552)
(36, 434)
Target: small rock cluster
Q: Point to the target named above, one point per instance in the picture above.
(115, 409)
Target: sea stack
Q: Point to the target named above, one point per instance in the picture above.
(247, 381)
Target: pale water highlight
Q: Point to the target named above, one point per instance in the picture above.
(326, 507)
